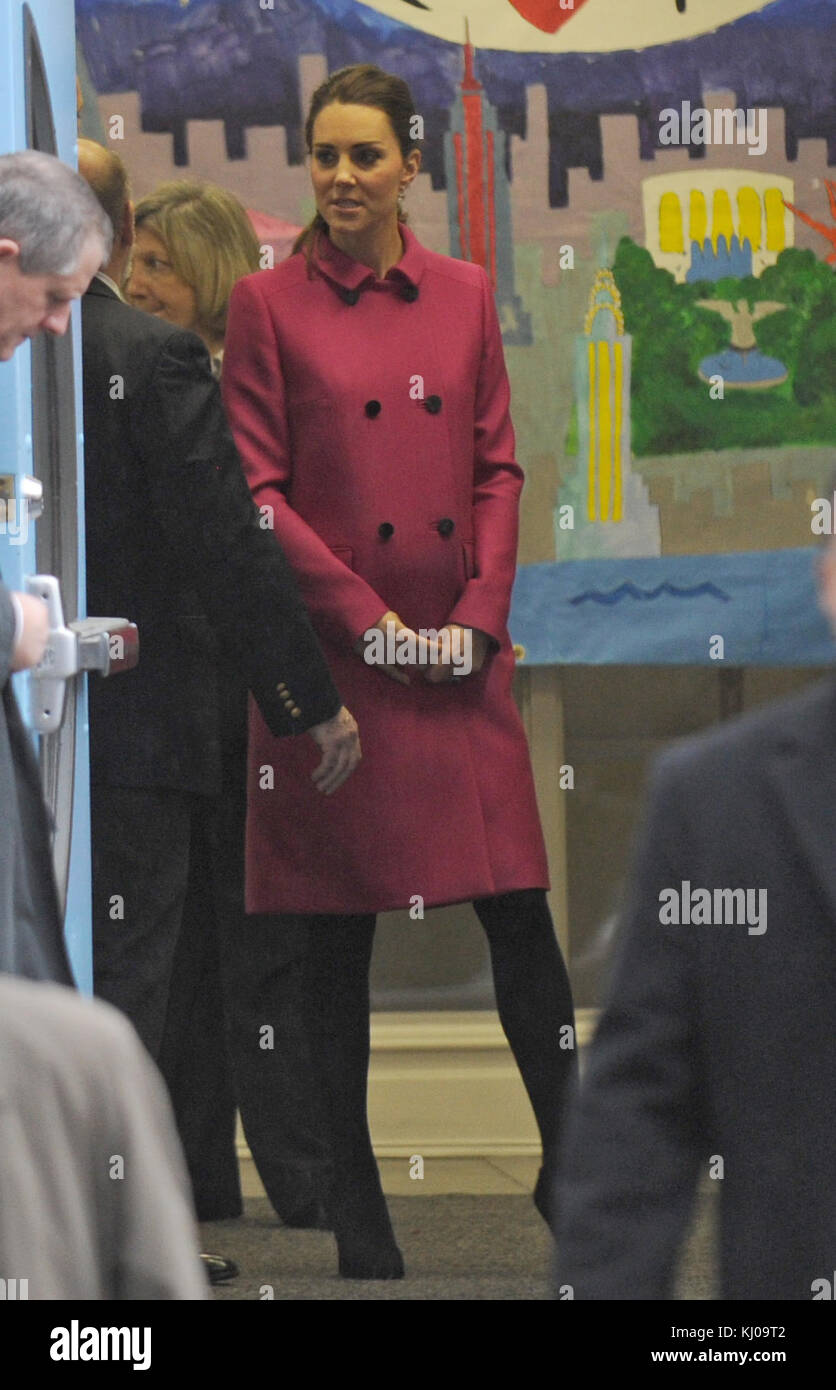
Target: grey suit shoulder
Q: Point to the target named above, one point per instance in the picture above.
(96, 1199)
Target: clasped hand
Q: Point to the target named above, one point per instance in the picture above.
(453, 653)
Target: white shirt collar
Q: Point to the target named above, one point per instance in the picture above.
(111, 284)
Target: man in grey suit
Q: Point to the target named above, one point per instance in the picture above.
(96, 1201)
(31, 937)
(715, 1056)
(53, 238)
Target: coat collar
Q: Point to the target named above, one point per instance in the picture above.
(103, 287)
(802, 763)
(349, 277)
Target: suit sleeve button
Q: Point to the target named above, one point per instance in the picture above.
(446, 527)
(433, 404)
(385, 530)
(372, 409)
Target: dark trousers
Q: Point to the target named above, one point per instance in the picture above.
(215, 995)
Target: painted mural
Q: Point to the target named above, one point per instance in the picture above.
(647, 184)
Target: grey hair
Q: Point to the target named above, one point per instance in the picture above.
(49, 210)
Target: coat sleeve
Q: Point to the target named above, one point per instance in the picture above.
(254, 394)
(200, 495)
(497, 483)
(634, 1141)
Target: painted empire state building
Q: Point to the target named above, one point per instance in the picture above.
(478, 198)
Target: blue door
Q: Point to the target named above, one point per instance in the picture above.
(40, 446)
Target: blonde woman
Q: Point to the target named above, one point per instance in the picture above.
(194, 241)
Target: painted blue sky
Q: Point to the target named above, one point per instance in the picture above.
(236, 62)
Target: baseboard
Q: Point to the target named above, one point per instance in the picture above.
(445, 1085)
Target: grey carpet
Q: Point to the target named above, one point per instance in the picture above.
(455, 1248)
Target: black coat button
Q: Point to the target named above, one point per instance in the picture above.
(349, 296)
(446, 527)
(433, 404)
(372, 409)
(410, 293)
(385, 530)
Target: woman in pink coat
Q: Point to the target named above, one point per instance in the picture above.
(366, 387)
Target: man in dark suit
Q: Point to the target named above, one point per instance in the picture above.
(174, 539)
(53, 237)
(716, 1053)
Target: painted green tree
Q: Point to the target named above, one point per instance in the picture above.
(672, 409)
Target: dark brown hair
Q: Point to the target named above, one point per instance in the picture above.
(363, 84)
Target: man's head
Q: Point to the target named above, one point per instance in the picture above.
(54, 236)
(108, 178)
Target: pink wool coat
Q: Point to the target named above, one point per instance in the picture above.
(372, 418)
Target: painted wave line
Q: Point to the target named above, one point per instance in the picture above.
(630, 590)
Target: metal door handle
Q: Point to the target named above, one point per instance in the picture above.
(32, 496)
(106, 645)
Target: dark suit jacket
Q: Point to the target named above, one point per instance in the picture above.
(174, 543)
(31, 938)
(718, 1041)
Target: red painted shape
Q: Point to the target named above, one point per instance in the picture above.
(491, 208)
(828, 232)
(470, 82)
(464, 239)
(475, 155)
(546, 15)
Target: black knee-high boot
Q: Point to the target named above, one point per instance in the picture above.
(534, 1000)
(338, 995)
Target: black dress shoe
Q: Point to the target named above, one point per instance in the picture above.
(218, 1270)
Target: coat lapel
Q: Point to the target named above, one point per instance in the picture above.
(803, 766)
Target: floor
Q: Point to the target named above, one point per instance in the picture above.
(481, 1177)
(476, 1237)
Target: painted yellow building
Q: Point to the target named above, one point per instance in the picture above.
(705, 205)
(604, 399)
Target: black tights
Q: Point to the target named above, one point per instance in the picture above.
(534, 1001)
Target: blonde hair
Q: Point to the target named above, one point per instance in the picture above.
(209, 240)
